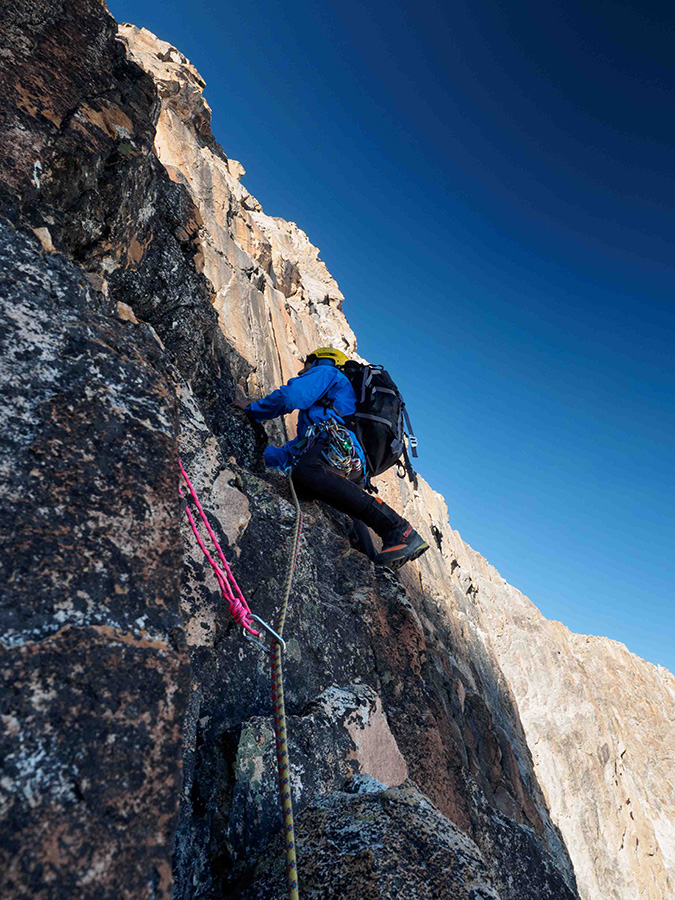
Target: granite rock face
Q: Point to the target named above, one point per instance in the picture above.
(144, 289)
(77, 123)
(599, 722)
(380, 844)
(95, 681)
(275, 299)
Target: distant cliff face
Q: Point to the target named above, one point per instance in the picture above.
(276, 300)
(143, 288)
(599, 723)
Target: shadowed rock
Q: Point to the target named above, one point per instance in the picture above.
(94, 677)
(382, 845)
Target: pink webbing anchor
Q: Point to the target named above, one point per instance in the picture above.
(228, 584)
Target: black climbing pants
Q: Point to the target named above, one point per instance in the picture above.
(317, 480)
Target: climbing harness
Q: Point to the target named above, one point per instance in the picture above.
(338, 446)
(279, 708)
(243, 616)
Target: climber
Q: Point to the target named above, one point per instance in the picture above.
(326, 459)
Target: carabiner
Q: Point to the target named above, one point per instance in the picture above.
(269, 630)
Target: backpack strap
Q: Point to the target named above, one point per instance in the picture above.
(373, 419)
(412, 474)
(411, 436)
(324, 400)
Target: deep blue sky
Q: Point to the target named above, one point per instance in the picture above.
(492, 187)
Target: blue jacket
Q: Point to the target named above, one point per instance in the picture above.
(323, 382)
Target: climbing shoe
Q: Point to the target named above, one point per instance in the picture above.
(401, 545)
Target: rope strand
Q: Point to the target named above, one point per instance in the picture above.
(242, 614)
(279, 710)
(229, 588)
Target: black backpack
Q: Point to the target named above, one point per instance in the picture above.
(379, 420)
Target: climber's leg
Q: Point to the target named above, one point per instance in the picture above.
(316, 479)
(360, 539)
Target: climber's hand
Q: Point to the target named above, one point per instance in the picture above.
(240, 404)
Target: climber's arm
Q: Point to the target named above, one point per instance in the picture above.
(269, 407)
(300, 393)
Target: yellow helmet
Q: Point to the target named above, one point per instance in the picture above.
(338, 357)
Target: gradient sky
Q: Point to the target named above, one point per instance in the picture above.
(492, 187)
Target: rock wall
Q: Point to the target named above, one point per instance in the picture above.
(143, 288)
(614, 846)
(599, 723)
(597, 718)
(276, 300)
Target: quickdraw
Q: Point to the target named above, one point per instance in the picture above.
(229, 588)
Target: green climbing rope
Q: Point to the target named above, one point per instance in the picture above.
(279, 709)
